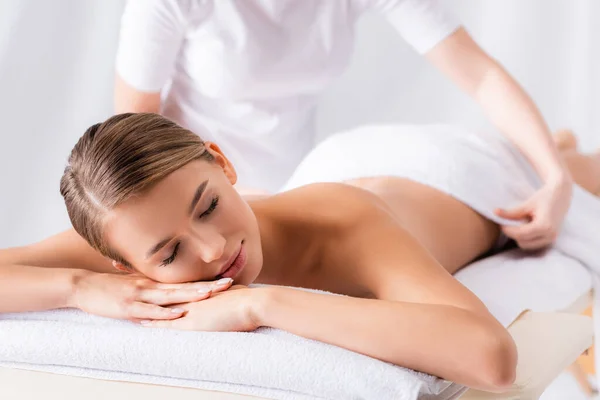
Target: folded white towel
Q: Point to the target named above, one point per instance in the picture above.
(266, 363)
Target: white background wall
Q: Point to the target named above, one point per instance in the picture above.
(56, 72)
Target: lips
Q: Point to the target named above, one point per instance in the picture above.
(235, 264)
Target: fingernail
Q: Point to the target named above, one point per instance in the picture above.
(177, 310)
(204, 290)
(224, 281)
(145, 322)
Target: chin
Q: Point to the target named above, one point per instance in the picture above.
(250, 273)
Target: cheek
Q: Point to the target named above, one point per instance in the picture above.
(233, 216)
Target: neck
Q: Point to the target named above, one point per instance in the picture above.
(285, 246)
(270, 244)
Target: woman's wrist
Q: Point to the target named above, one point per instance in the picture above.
(75, 277)
(261, 301)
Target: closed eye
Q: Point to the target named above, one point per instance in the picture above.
(211, 208)
(172, 257)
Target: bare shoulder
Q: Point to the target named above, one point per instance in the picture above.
(332, 202)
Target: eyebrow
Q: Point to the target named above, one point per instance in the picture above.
(197, 195)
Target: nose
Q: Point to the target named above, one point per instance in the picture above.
(210, 246)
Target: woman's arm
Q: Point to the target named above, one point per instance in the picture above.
(65, 250)
(64, 271)
(26, 288)
(423, 319)
(443, 340)
(43, 275)
(513, 112)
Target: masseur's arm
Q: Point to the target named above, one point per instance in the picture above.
(513, 112)
(129, 99)
(150, 38)
(423, 318)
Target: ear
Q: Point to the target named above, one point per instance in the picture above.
(120, 267)
(222, 161)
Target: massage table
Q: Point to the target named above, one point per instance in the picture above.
(548, 342)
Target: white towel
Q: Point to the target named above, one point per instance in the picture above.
(513, 281)
(482, 170)
(266, 363)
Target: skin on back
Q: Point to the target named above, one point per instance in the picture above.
(313, 224)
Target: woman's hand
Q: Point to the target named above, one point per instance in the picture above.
(542, 213)
(230, 311)
(136, 298)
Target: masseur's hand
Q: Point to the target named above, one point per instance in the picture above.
(230, 311)
(542, 215)
(137, 298)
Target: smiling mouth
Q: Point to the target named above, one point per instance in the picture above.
(236, 265)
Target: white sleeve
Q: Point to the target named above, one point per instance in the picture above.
(151, 35)
(421, 23)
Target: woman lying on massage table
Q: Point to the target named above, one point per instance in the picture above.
(155, 202)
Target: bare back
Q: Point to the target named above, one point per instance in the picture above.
(314, 250)
(453, 232)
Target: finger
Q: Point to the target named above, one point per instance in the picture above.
(221, 285)
(536, 244)
(523, 232)
(538, 227)
(517, 213)
(163, 297)
(214, 286)
(145, 311)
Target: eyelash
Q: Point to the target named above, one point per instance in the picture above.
(172, 258)
(209, 210)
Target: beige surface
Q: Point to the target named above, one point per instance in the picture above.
(568, 335)
(29, 385)
(547, 344)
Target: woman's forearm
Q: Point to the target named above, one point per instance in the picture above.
(24, 288)
(446, 341)
(513, 112)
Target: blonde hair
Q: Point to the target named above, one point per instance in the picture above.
(121, 157)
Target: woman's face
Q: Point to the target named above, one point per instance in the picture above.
(191, 226)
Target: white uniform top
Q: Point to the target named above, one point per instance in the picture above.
(246, 73)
